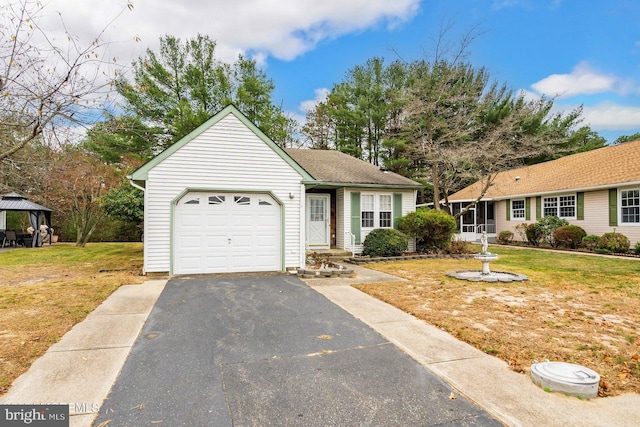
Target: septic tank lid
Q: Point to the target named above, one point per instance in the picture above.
(568, 373)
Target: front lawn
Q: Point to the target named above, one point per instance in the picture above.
(45, 291)
(576, 308)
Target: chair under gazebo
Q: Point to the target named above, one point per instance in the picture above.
(37, 213)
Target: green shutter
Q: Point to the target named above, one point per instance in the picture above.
(397, 208)
(613, 207)
(508, 209)
(356, 224)
(527, 208)
(580, 206)
(538, 207)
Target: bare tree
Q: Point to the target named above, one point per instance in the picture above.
(45, 83)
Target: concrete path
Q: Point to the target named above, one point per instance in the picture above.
(81, 368)
(486, 380)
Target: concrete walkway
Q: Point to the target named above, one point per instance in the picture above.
(509, 396)
(82, 367)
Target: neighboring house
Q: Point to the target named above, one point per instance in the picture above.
(598, 190)
(225, 198)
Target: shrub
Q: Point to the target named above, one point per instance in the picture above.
(385, 242)
(568, 236)
(521, 229)
(590, 242)
(432, 229)
(505, 237)
(534, 234)
(614, 242)
(548, 225)
(636, 248)
(460, 247)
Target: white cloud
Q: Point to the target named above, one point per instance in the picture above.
(583, 80)
(283, 29)
(320, 96)
(609, 116)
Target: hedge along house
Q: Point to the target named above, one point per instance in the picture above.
(598, 190)
(225, 198)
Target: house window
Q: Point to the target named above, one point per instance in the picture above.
(517, 209)
(242, 200)
(630, 206)
(216, 200)
(385, 211)
(367, 210)
(562, 206)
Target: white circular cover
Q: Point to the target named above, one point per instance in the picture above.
(567, 373)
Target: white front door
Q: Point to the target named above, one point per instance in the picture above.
(318, 221)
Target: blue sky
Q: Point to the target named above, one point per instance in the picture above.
(584, 52)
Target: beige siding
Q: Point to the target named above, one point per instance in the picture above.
(227, 156)
(596, 217)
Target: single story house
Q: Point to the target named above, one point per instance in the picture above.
(226, 198)
(598, 190)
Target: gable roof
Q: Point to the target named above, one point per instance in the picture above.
(602, 168)
(142, 173)
(337, 168)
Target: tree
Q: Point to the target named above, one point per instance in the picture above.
(181, 86)
(44, 83)
(627, 138)
(76, 184)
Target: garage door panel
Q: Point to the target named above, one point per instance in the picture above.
(227, 233)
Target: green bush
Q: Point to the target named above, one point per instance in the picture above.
(432, 229)
(590, 242)
(534, 234)
(636, 248)
(548, 225)
(505, 237)
(568, 236)
(614, 242)
(385, 242)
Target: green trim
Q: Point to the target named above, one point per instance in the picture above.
(356, 226)
(397, 208)
(580, 206)
(508, 209)
(142, 174)
(538, 207)
(613, 207)
(226, 190)
(527, 209)
(326, 184)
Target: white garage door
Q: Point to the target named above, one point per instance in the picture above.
(226, 232)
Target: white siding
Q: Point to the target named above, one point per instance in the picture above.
(343, 212)
(227, 156)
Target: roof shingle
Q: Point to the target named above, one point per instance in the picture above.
(608, 166)
(333, 166)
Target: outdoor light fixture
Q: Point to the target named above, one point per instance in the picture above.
(291, 196)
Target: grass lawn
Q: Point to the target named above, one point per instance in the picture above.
(45, 291)
(575, 308)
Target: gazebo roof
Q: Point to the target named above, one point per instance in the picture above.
(16, 202)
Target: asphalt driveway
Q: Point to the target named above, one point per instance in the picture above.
(269, 350)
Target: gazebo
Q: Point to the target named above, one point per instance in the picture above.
(16, 202)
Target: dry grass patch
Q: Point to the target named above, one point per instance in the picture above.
(575, 308)
(45, 291)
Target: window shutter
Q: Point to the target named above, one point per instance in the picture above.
(538, 207)
(580, 206)
(613, 207)
(508, 209)
(527, 208)
(355, 217)
(397, 208)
